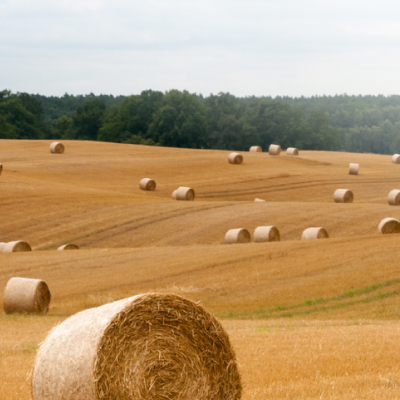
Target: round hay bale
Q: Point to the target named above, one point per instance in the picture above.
(1, 168)
(183, 193)
(147, 184)
(266, 234)
(255, 149)
(343, 196)
(235, 158)
(69, 246)
(18, 246)
(292, 151)
(353, 169)
(2, 245)
(259, 200)
(396, 159)
(315, 233)
(23, 295)
(389, 225)
(394, 197)
(150, 346)
(239, 235)
(57, 148)
(274, 150)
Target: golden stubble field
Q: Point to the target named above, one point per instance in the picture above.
(308, 320)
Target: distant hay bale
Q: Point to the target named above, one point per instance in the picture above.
(343, 196)
(17, 246)
(147, 184)
(396, 159)
(239, 235)
(150, 346)
(394, 197)
(274, 150)
(235, 158)
(2, 245)
(389, 225)
(266, 234)
(315, 233)
(57, 148)
(255, 149)
(69, 246)
(183, 193)
(353, 169)
(23, 295)
(292, 151)
(259, 200)
(1, 168)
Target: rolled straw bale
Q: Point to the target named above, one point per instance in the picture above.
(255, 149)
(396, 159)
(57, 148)
(343, 196)
(147, 184)
(2, 245)
(26, 295)
(17, 246)
(353, 169)
(150, 346)
(389, 225)
(266, 234)
(235, 158)
(274, 150)
(183, 193)
(69, 246)
(292, 151)
(394, 197)
(259, 200)
(239, 235)
(315, 233)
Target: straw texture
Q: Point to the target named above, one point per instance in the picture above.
(266, 234)
(315, 233)
(18, 246)
(183, 193)
(353, 169)
(255, 149)
(292, 151)
(68, 246)
(239, 235)
(146, 347)
(389, 225)
(57, 148)
(396, 159)
(235, 158)
(23, 295)
(394, 197)
(343, 196)
(147, 184)
(274, 150)
(259, 200)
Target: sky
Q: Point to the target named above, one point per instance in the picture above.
(245, 47)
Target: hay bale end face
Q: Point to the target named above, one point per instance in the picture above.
(259, 200)
(23, 295)
(343, 196)
(314, 233)
(292, 151)
(147, 184)
(266, 234)
(238, 235)
(235, 158)
(274, 150)
(396, 159)
(255, 149)
(69, 246)
(151, 346)
(17, 246)
(389, 225)
(353, 169)
(183, 193)
(394, 198)
(57, 148)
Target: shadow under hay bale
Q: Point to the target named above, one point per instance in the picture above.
(14, 247)
(266, 234)
(239, 235)
(183, 193)
(314, 233)
(57, 148)
(255, 149)
(150, 346)
(396, 159)
(147, 184)
(394, 197)
(292, 151)
(274, 150)
(389, 225)
(353, 169)
(23, 295)
(235, 158)
(68, 246)
(343, 196)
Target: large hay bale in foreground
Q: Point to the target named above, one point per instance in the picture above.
(239, 235)
(394, 197)
(343, 196)
(389, 225)
(353, 169)
(57, 148)
(314, 233)
(69, 246)
(23, 295)
(183, 193)
(256, 200)
(255, 149)
(17, 246)
(235, 158)
(147, 184)
(396, 159)
(266, 234)
(274, 150)
(292, 151)
(151, 346)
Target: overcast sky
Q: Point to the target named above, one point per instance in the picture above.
(245, 47)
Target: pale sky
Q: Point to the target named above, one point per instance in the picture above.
(245, 47)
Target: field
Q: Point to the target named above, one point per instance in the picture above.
(308, 319)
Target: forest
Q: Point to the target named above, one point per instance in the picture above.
(176, 118)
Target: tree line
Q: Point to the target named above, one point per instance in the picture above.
(223, 121)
